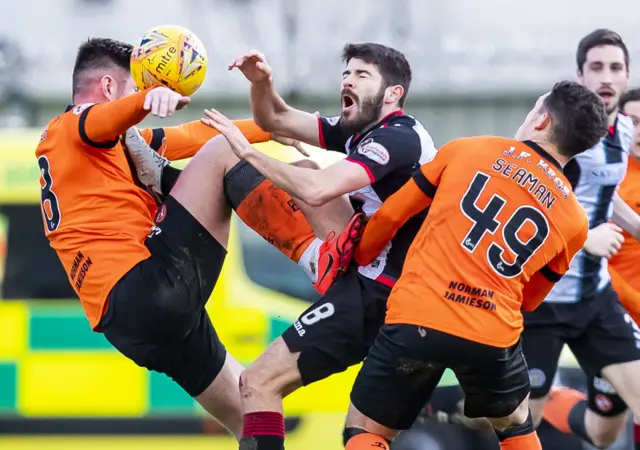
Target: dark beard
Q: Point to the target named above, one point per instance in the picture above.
(368, 113)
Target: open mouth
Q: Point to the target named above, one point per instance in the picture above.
(348, 102)
(606, 94)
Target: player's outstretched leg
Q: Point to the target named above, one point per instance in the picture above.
(200, 191)
(263, 385)
(293, 227)
(297, 230)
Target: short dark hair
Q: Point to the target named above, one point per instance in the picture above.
(578, 117)
(97, 53)
(391, 63)
(632, 95)
(598, 38)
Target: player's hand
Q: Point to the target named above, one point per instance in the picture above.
(254, 67)
(239, 144)
(604, 240)
(163, 102)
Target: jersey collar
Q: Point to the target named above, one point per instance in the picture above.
(68, 108)
(543, 153)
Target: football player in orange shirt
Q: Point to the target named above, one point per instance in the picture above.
(623, 266)
(500, 233)
(625, 278)
(143, 282)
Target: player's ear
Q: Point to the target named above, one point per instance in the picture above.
(393, 94)
(579, 75)
(109, 87)
(543, 121)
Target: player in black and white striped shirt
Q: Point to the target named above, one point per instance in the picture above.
(384, 146)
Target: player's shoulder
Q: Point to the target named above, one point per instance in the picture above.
(624, 123)
(400, 133)
(575, 211)
(65, 127)
(400, 126)
(73, 114)
(624, 129)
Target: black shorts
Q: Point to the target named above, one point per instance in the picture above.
(156, 314)
(337, 331)
(406, 363)
(599, 333)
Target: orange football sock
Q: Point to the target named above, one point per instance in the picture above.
(558, 408)
(368, 441)
(527, 442)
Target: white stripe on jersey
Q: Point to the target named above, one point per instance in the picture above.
(371, 201)
(602, 169)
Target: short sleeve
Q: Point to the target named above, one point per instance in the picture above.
(559, 265)
(429, 174)
(387, 149)
(331, 135)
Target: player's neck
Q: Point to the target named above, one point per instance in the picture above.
(82, 99)
(385, 112)
(613, 116)
(552, 150)
(89, 95)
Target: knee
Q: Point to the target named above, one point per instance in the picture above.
(605, 438)
(603, 432)
(536, 406)
(520, 418)
(219, 147)
(513, 426)
(251, 381)
(261, 380)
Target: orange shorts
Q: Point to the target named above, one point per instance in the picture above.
(268, 210)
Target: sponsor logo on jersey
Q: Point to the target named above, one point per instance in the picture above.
(78, 109)
(333, 121)
(375, 151)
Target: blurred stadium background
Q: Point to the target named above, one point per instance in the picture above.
(478, 67)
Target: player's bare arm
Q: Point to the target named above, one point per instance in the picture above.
(625, 217)
(106, 121)
(314, 187)
(270, 111)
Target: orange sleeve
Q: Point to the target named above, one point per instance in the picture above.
(536, 290)
(432, 171)
(541, 283)
(184, 141)
(100, 125)
(408, 201)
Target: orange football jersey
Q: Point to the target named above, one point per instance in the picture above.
(503, 226)
(625, 262)
(96, 214)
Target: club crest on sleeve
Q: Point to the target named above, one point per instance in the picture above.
(78, 109)
(375, 151)
(333, 121)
